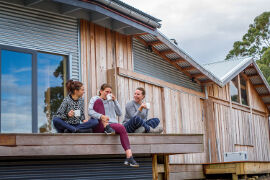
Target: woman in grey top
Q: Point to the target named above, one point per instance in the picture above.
(136, 115)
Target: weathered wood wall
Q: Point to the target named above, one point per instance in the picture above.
(232, 127)
(226, 126)
(101, 49)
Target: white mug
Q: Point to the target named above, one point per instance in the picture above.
(109, 97)
(77, 113)
(147, 105)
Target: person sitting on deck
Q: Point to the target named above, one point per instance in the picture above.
(136, 115)
(105, 108)
(70, 114)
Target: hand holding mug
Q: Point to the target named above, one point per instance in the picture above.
(71, 113)
(77, 113)
(109, 97)
(113, 97)
(143, 105)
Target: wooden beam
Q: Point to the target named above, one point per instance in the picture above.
(154, 167)
(265, 95)
(197, 75)
(154, 43)
(166, 167)
(7, 140)
(189, 68)
(156, 82)
(258, 85)
(141, 34)
(180, 60)
(254, 75)
(167, 52)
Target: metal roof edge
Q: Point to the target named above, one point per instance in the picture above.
(128, 11)
(97, 8)
(136, 10)
(235, 71)
(183, 54)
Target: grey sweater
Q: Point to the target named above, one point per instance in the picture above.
(132, 110)
(112, 109)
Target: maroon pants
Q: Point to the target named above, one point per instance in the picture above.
(119, 128)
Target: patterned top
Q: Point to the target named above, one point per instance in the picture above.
(70, 104)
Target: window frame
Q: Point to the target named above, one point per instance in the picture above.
(239, 91)
(34, 79)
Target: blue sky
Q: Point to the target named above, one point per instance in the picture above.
(16, 79)
(205, 29)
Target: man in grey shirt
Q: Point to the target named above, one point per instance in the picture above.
(136, 115)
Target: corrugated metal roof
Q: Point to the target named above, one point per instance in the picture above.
(136, 10)
(224, 69)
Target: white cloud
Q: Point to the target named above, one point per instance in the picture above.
(205, 29)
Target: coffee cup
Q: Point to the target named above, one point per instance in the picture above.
(109, 97)
(147, 105)
(77, 113)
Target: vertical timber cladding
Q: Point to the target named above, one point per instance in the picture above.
(151, 64)
(42, 31)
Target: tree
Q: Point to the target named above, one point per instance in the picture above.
(256, 44)
(53, 99)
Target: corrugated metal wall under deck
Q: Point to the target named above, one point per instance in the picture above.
(94, 169)
(39, 30)
(151, 64)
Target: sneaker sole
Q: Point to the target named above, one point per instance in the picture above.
(133, 165)
(127, 164)
(108, 133)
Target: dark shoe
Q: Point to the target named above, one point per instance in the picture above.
(131, 162)
(66, 131)
(84, 131)
(109, 130)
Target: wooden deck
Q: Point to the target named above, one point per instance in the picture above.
(238, 168)
(26, 145)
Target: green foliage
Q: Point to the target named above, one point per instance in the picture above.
(256, 44)
(53, 98)
(256, 41)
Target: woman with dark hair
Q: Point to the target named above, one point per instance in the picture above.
(70, 114)
(105, 108)
(136, 115)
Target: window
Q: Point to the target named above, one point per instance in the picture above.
(51, 92)
(238, 90)
(234, 89)
(243, 88)
(32, 88)
(16, 101)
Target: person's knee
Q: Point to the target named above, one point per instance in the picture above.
(121, 129)
(138, 120)
(157, 120)
(57, 120)
(94, 121)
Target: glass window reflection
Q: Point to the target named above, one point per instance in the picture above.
(234, 89)
(16, 92)
(51, 80)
